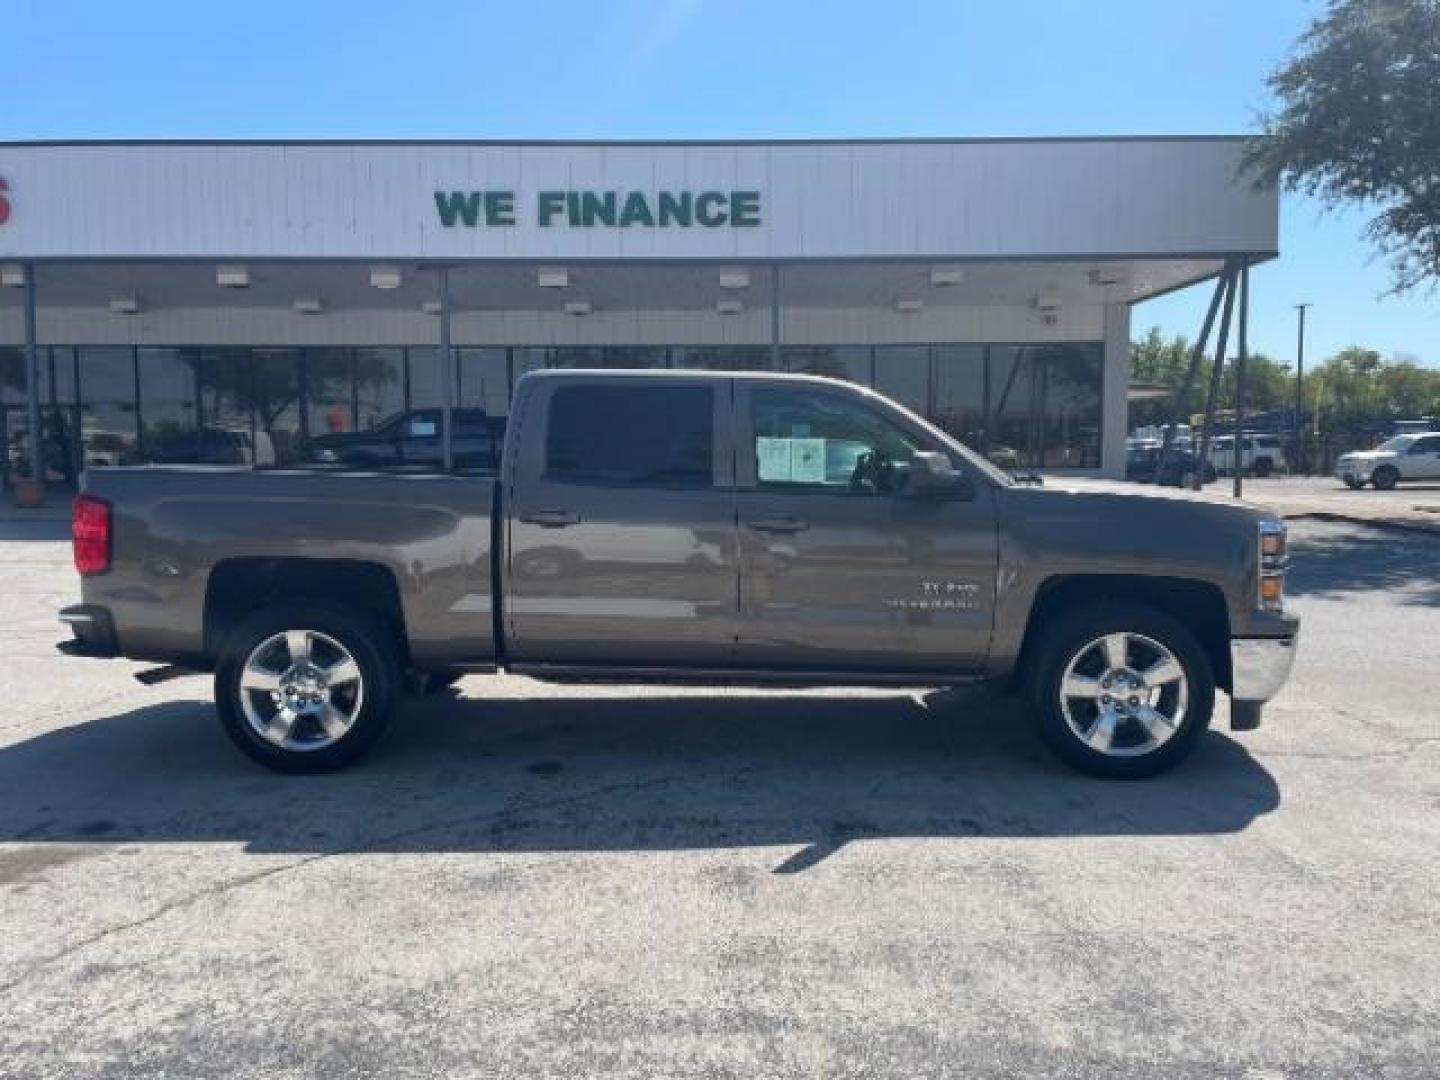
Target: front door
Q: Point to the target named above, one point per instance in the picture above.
(622, 547)
(843, 568)
(1423, 460)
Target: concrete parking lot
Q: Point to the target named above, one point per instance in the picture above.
(546, 881)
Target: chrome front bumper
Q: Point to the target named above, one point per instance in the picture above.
(1259, 667)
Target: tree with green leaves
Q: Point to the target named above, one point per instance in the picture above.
(1357, 120)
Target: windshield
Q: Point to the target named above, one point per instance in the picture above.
(1397, 445)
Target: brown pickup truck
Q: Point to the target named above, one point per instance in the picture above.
(694, 527)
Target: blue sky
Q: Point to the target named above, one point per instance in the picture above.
(708, 68)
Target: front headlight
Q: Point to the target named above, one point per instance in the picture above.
(1274, 561)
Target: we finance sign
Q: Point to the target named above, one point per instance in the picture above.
(502, 209)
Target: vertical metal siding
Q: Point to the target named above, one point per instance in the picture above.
(820, 200)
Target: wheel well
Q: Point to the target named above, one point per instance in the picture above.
(239, 587)
(1197, 604)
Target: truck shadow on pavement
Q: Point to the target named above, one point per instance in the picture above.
(1332, 561)
(610, 773)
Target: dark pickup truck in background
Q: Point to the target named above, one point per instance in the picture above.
(688, 527)
(413, 439)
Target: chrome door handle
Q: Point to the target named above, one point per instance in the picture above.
(554, 518)
(780, 524)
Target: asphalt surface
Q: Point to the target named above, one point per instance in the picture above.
(547, 881)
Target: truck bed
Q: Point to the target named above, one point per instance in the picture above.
(180, 530)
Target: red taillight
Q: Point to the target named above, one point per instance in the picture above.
(90, 535)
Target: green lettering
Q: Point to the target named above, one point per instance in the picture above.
(572, 206)
(636, 212)
(710, 209)
(674, 210)
(744, 209)
(461, 205)
(551, 203)
(499, 208)
(597, 207)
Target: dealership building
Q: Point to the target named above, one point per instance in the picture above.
(223, 301)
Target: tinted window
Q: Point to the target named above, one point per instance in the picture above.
(1429, 445)
(805, 439)
(655, 436)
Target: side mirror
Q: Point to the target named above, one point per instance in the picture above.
(932, 476)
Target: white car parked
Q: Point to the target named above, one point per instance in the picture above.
(1405, 457)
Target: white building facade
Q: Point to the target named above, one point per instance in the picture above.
(187, 291)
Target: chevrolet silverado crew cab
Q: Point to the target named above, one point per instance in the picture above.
(687, 527)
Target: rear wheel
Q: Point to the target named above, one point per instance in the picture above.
(306, 688)
(1385, 477)
(1123, 693)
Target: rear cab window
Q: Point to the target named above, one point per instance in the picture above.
(631, 436)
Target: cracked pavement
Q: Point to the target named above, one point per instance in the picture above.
(531, 880)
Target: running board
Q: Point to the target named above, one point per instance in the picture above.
(156, 675)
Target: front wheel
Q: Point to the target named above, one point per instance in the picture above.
(1122, 693)
(1354, 483)
(1385, 477)
(306, 688)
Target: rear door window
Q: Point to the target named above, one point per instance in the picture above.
(631, 436)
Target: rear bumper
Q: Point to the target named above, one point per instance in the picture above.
(1261, 666)
(93, 632)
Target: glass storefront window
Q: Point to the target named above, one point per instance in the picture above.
(426, 380)
(902, 373)
(168, 426)
(107, 413)
(330, 404)
(1031, 406)
(607, 356)
(379, 385)
(250, 406)
(848, 362)
(485, 380)
(1045, 409)
(523, 360)
(721, 357)
(959, 385)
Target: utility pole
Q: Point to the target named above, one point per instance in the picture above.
(1300, 391)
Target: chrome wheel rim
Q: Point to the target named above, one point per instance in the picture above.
(301, 690)
(1124, 695)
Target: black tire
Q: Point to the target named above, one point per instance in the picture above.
(370, 643)
(1264, 466)
(1067, 636)
(1354, 483)
(1385, 478)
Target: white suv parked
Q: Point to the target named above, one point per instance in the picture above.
(1405, 457)
(1260, 455)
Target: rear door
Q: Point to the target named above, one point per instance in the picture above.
(622, 546)
(841, 567)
